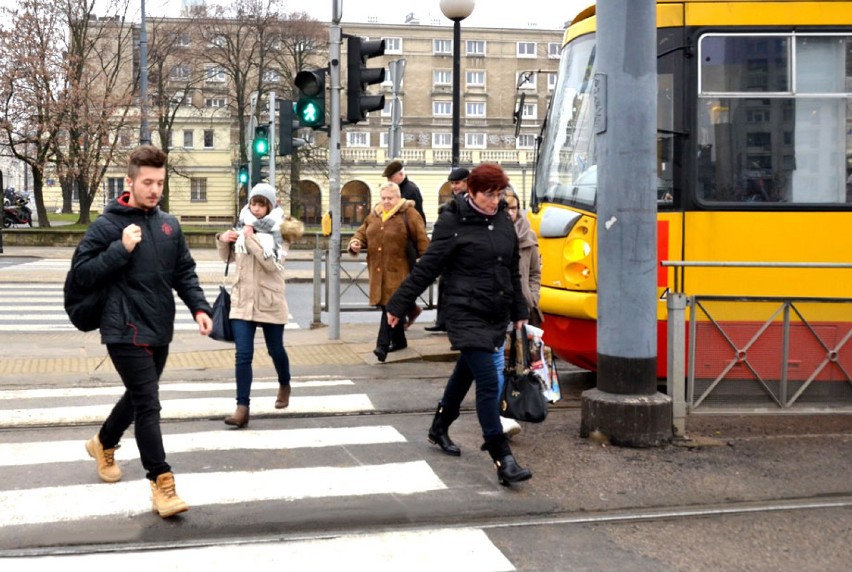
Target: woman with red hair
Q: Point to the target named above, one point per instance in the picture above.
(474, 249)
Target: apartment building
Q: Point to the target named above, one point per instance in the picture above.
(499, 69)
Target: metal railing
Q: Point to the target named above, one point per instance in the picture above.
(356, 282)
(752, 373)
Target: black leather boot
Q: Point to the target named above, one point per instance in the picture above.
(438, 432)
(508, 469)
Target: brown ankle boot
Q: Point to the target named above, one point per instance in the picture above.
(283, 399)
(165, 501)
(240, 418)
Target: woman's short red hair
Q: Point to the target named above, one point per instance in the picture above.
(487, 177)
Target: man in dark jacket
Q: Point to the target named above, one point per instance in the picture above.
(458, 183)
(139, 255)
(395, 173)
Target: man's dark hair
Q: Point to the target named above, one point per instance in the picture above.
(145, 156)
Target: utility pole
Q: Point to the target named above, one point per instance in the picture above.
(273, 147)
(626, 405)
(335, 36)
(396, 68)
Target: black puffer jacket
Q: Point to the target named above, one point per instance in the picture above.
(140, 306)
(477, 258)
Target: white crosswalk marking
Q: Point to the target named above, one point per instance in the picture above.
(413, 551)
(128, 498)
(27, 307)
(305, 460)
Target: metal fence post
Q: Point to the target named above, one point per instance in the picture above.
(675, 384)
(317, 321)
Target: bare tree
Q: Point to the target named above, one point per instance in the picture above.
(96, 99)
(303, 45)
(171, 81)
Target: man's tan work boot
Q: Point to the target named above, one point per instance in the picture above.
(166, 503)
(108, 470)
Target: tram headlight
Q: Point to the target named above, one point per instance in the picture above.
(575, 255)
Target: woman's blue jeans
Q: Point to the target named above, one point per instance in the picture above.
(273, 334)
(479, 366)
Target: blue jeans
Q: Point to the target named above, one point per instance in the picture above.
(273, 334)
(500, 364)
(476, 365)
(140, 368)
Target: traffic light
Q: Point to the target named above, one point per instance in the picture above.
(287, 126)
(310, 109)
(359, 102)
(260, 155)
(243, 174)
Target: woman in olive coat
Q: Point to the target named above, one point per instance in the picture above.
(385, 234)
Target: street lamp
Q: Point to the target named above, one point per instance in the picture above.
(456, 10)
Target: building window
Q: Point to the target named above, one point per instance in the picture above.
(553, 49)
(215, 102)
(218, 41)
(187, 139)
(551, 81)
(393, 45)
(475, 47)
(357, 139)
(179, 40)
(271, 76)
(179, 72)
(525, 141)
(442, 77)
(442, 140)
(442, 47)
(208, 138)
(442, 108)
(115, 186)
(214, 73)
(530, 111)
(384, 139)
(197, 189)
(474, 109)
(475, 78)
(474, 140)
(526, 49)
(525, 80)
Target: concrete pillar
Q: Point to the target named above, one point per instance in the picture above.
(625, 406)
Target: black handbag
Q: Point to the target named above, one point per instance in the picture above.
(221, 313)
(522, 397)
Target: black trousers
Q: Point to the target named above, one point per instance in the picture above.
(388, 335)
(140, 369)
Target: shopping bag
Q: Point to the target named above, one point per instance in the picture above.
(522, 397)
(221, 320)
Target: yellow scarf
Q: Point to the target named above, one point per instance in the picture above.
(387, 214)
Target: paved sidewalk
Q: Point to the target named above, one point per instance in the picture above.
(76, 353)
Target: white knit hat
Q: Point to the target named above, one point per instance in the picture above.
(264, 190)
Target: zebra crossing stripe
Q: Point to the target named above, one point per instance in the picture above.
(174, 409)
(128, 498)
(39, 452)
(466, 549)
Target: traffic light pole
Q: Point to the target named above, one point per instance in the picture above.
(273, 146)
(334, 41)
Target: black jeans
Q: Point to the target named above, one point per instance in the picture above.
(140, 369)
(388, 335)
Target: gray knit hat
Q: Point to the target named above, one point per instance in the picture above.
(264, 190)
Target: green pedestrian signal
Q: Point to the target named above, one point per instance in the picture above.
(243, 174)
(310, 109)
(261, 140)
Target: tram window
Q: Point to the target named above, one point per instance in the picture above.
(792, 147)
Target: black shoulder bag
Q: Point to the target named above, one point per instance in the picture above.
(522, 397)
(221, 311)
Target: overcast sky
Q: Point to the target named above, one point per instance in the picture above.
(542, 14)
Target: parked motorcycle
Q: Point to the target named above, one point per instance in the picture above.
(17, 211)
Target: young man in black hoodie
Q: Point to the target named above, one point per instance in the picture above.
(139, 255)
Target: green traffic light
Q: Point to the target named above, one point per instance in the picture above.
(310, 112)
(261, 146)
